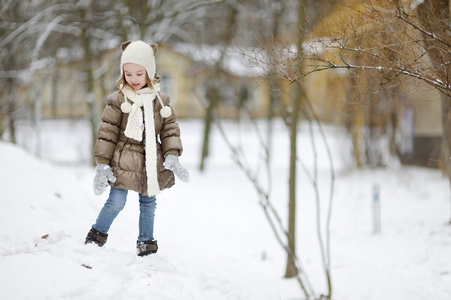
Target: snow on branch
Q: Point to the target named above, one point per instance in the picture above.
(34, 21)
(381, 38)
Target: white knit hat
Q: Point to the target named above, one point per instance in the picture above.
(139, 53)
(142, 54)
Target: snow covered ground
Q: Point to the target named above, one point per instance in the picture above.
(214, 240)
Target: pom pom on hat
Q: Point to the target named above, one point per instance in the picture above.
(165, 111)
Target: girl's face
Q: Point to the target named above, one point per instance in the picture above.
(135, 75)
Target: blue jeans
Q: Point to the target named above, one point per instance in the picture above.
(116, 202)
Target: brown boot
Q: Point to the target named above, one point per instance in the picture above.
(146, 248)
(97, 237)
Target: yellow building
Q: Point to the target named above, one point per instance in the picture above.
(415, 105)
(185, 73)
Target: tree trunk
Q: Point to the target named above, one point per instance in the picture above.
(273, 81)
(89, 84)
(291, 270)
(448, 133)
(11, 94)
(212, 95)
(446, 138)
(432, 15)
(212, 90)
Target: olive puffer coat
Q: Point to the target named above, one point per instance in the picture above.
(126, 156)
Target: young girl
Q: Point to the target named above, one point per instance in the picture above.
(137, 146)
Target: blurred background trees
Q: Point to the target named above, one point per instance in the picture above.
(410, 40)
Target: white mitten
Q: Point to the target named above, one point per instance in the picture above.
(102, 177)
(171, 162)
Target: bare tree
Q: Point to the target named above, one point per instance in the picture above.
(434, 17)
(297, 101)
(161, 20)
(292, 113)
(383, 44)
(213, 95)
(261, 177)
(388, 41)
(14, 61)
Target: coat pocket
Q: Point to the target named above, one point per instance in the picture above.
(131, 157)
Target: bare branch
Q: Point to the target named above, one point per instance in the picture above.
(422, 30)
(270, 214)
(32, 21)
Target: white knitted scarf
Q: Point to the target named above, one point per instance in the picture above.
(136, 124)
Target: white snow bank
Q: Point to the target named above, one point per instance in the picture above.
(214, 240)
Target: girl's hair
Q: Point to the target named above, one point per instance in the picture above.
(122, 82)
